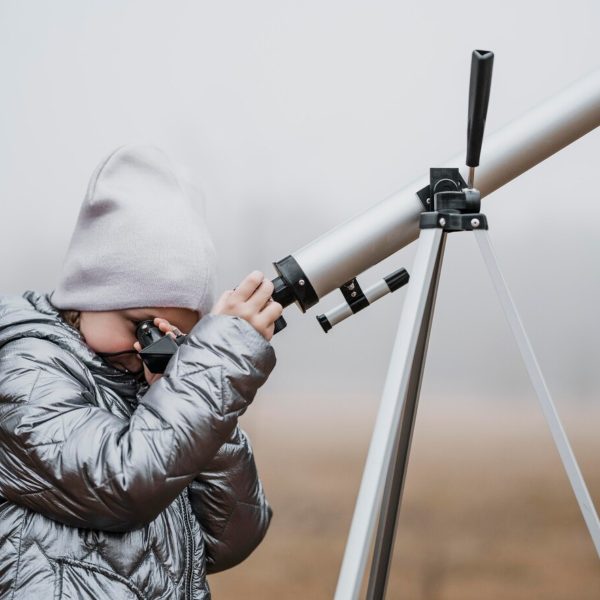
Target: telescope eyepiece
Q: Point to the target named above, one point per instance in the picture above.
(147, 333)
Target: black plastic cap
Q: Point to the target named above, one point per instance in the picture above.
(293, 285)
(397, 279)
(325, 324)
(282, 292)
(280, 324)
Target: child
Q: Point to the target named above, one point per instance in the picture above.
(117, 483)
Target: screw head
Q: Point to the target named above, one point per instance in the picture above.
(351, 287)
(301, 282)
(353, 294)
(475, 223)
(442, 221)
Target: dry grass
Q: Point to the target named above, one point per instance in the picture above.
(487, 511)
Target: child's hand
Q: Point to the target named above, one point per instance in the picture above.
(165, 327)
(252, 301)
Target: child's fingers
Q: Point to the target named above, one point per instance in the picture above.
(269, 333)
(261, 295)
(269, 314)
(273, 310)
(221, 303)
(166, 327)
(248, 285)
(162, 324)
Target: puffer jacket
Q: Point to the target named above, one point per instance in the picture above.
(114, 489)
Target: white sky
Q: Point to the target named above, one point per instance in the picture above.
(295, 116)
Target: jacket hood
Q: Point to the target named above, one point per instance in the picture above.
(31, 314)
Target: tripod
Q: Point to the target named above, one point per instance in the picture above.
(455, 209)
(387, 461)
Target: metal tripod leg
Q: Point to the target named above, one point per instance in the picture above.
(391, 409)
(396, 476)
(537, 379)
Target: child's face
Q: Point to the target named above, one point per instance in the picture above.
(114, 330)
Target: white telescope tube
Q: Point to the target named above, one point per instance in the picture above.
(364, 240)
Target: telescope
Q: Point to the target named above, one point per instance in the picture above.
(448, 200)
(336, 258)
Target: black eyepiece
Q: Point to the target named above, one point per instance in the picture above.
(147, 333)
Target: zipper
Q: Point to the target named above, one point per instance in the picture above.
(189, 547)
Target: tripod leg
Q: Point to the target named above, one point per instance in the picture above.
(537, 379)
(392, 494)
(388, 418)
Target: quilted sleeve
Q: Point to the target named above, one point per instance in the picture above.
(63, 456)
(228, 500)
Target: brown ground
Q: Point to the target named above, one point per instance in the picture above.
(487, 513)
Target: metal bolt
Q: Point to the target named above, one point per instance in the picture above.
(351, 286)
(301, 282)
(442, 221)
(353, 294)
(475, 223)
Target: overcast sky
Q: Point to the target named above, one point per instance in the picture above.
(295, 116)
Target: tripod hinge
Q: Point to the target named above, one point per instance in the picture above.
(451, 221)
(441, 179)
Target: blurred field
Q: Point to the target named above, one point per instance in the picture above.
(487, 512)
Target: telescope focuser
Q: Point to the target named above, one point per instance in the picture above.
(454, 207)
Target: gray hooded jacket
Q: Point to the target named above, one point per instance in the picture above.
(119, 490)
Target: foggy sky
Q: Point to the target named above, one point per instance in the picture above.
(294, 116)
